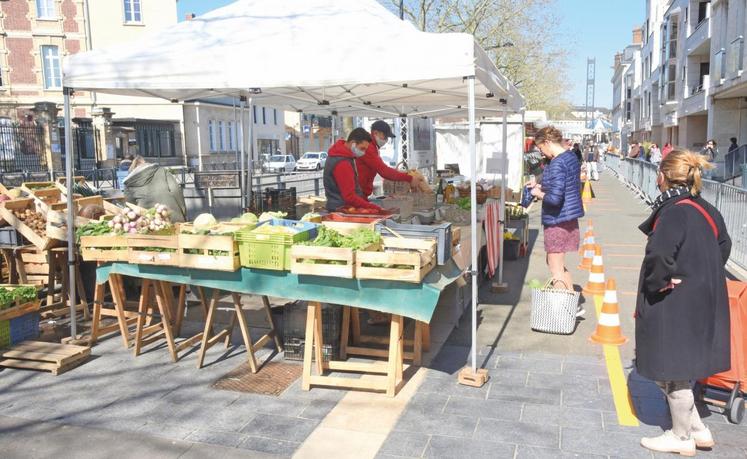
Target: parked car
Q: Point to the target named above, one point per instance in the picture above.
(312, 161)
(281, 163)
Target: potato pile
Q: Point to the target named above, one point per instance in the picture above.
(33, 220)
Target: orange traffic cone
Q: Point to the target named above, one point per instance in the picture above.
(588, 257)
(595, 285)
(586, 195)
(588, 241)
(608, 328)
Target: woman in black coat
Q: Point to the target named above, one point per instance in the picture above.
(682, 313)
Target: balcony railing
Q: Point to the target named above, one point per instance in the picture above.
(719, 66)
(736, 57)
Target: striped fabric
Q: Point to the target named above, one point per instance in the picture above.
(492, 235)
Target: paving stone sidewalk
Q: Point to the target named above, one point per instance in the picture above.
(548, 396)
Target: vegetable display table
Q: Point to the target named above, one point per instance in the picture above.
(401, 299)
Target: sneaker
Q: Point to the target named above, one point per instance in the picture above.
(581, 311)
(703, 438)
(668, 442)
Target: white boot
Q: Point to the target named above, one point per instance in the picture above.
(703, 438)
(668, 442)
(699, 432)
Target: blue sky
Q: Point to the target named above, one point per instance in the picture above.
(597, 28)
(592, 28)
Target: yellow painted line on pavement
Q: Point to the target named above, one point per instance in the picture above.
(619, 385)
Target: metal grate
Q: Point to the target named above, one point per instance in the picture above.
(272, 379)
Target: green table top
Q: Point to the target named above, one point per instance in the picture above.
(416, 301)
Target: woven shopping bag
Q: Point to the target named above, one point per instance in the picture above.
(554, 310)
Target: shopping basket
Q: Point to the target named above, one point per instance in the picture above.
(554, 310)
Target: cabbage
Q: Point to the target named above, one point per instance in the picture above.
(270, 215)
(204, 222)
(248, 218)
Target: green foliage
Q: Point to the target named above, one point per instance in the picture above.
(359, 239)
(23, 294)
(97, 228)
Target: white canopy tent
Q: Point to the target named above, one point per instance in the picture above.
(316, 56)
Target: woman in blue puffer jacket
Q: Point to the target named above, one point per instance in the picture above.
(560, 193)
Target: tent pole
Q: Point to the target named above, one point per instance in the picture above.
(473, 217)
(70, 213)
(242, 155)
(250, 160)
(504, 187)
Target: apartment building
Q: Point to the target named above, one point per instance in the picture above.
(212, 132)
(691, 85)
(35, 36)
(626, 87)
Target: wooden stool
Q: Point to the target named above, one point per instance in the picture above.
(170, 323)
(390, 371)
(208, 339)
(351, 322)
(125, 318)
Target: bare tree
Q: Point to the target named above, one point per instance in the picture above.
(521, 37)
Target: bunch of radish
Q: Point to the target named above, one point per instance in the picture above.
(148, 221)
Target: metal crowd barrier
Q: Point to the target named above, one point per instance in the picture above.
(640, 176)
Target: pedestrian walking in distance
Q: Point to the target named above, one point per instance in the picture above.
(682, 312)
(655, 154)
(560, 193)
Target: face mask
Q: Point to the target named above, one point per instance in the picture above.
(381, 142)
(357, 151)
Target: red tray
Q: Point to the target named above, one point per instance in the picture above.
(349, 218)
(385, 213)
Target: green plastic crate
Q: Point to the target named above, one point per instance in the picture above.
(271, 251)
(4, 333)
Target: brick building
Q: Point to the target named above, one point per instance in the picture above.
(35, 36)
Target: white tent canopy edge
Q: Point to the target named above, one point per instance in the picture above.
(386, 68)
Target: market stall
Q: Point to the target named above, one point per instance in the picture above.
(431, 75)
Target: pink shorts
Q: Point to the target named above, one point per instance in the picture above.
(563, 237)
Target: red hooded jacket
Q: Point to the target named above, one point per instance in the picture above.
(345, 177)
(371, 164)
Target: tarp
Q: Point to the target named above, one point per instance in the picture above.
(452, 145)
(416, 301)
(355, 57)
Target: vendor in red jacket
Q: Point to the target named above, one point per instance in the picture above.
(340, 174)
(370, 164)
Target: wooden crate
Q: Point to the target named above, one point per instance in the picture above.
(35, 265)
(108, 248)
(416, 253)
(37, 355)
(20, 309)
(61, 182)
(140, 249)
(321, 256)
(45, 193)
(195, 250)
(6, 212)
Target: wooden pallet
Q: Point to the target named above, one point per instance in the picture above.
(37, 355)
(418, 255)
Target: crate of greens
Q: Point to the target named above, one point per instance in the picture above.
(207, 244)
(332, 254)
(405, 260)
(99, 242)
(269, 245)
(17, 300)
